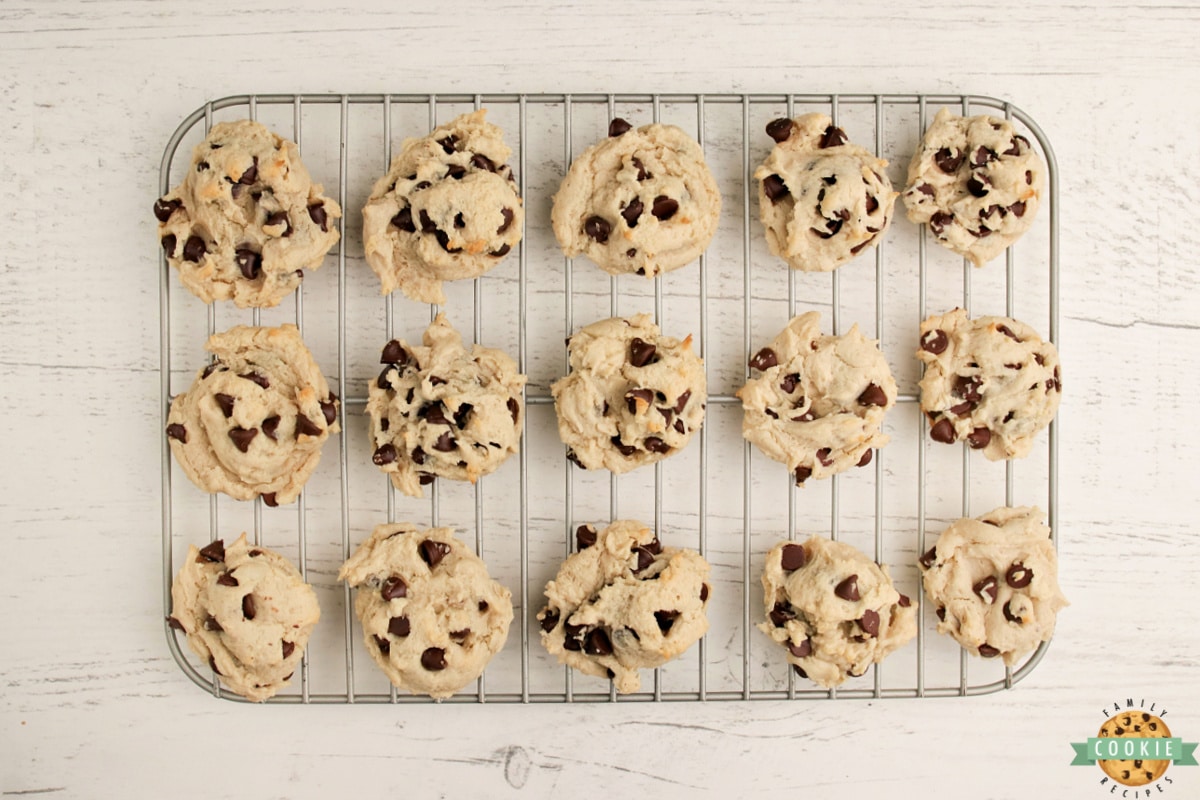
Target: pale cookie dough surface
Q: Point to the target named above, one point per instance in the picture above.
(440, 410)
(641, 201)
(994, 583)
(247, 219)
(832, 609)
(247, 612)
(624, 602)
(254, 420)
(821, 199)
(447, 209)
(632, 397)
(1134, 725)
(819, 402)
(976, 182)
(432, 617)
(991, 381)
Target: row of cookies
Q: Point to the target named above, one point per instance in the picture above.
(247, 220)
(254, 420)
(432, 618)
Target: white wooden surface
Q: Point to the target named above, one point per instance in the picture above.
(91, 703)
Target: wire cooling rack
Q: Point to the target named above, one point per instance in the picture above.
(717, 495)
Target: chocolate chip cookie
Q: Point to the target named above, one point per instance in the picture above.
(1135, 725)
(247, 612)
(624, 602)
(994, 582)
(432, 617)
(819, 401)
(447, 209)
(833, 609)
(440, 410)
(632, 397)
(247, 219)
(991, 381)
(976, 182)
(253, 422)
(642, 201)
(822, 199)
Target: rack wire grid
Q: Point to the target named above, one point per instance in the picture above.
(733, 301)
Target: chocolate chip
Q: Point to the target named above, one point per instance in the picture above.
(977, 187)
(383, 644)
(399, 627)
(967, 387)
(434, 412)
(404, 221)
(203, 165)
(641, 353)
(904, 601)
(254, 377)
(869, 622)
(802, 474)
(386, 454)
(456, 171)
(823, 456)
(926, 189)
(703, 592)
(866, 458)
(329, 408)
(211, 624)
(1018, 208)
(665, 620)
(981, 157)
(848, 589)
(986, 589)
(585, 536)
(1008, 615)
(788, 384)
(947, 160)
(642, 173)
(549, 620)
(163, 208)
(177, 432)
(979, 438)
(422, 185)
(873, 395)
(664, 207)
(242, 437)
(393, 587)
(872, 204)
(645, 557)
(168, 244)
(288, 648)
(270, 500)
(793, 557)
(319, 216)
(796, 668)
(832, 137)
(443, 239)
(943, 431)
(802, 650)
(598, 643)
(939, 221)
(481, 161)
(832, 226)
(618, 126)
(632, 211)
(653, 444)
(249, 263)
(194, 249)
(780, 613)
(774, 188)
(779, 129)
(227, 579)
(433, 552)
(1018, 576)
(941, 613)
(447, 143)
(597, 228)
(928, 559)
(306, 426)
(507, 213)
(503, 251)
(427, 223)
(445, 443)
(764, 359)
(963, 408)
(279, 218)
(987, 651)
(248, 609)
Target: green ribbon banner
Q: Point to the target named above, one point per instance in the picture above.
(1174, 750)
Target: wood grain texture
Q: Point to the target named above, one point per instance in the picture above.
(92, 704)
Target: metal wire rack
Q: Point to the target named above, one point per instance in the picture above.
(527, 527)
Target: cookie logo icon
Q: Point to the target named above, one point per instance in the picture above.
(1134, 771)
(1134, 748)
